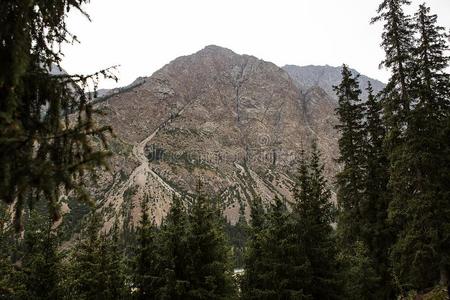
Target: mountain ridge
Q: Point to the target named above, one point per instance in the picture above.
(234, 121)
(304, 77)
(328, 76)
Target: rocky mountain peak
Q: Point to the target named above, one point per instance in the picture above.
(234, 121)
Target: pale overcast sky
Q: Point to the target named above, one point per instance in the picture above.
(144, 35)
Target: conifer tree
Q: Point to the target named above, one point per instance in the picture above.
(420, 207)
(86, 279)
(47, 127)
(252, 285)
(276, 263)
(377, 234)
(91, 266)
(209, 268)
(361, 213)
(288, 274)
(41, 262)
(397, 42)
(10, 280)
(147, 277)
(174, 250)
(115, 265)
(360, 279)
(313, 214)
(350, 180)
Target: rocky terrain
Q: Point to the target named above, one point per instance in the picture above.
(235, 122)
(326, 77)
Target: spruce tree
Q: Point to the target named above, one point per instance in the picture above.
(350, 180)
(86, 279)
(377, 234)
(147, 277)
(397, 97)
(360, 279)
(313, 214)
(47, 126)
(252, 286)
(41, 262)
(397, 42)
(361, 212)
(115, 264)
(91, 266)
(209, 267)
(174, 251)
(281, 269)
(420, 207)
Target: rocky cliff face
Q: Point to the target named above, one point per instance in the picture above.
(233, 121)
(326, 77)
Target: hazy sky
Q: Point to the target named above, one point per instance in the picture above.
(144, 35)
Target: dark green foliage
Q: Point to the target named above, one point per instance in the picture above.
(397, 41)
(416, 107)
(289, 272)
(313, 214)
(251, 284)
(363, 196)
(175, 256)
(282, 270)
(360, 278)
(420, 208)
(47, 127)
(351, 178)
(147, 277)
(209, 270)
(293, 255)
(95, 269)
(115, 265)
(10, 280)
(377, 234)
(41, 262)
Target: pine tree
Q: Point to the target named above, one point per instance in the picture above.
(287, 273)
(313, 214)
(86, 278)
(209, 268)
(397, 42)
(420, 207)
(397, 97)
(350, 180)
(174, 250)
(147, 277)
(115, 265)
(91, 266)
(252, 286)
(377, 234)
(47, 127)
(360, 278)
(361, 212)
(276, 264)
(41, 262)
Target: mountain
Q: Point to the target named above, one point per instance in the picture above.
(326, 77)
(235, 122)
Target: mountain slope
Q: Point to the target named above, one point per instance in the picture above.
(233, 121)
(326, 77)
